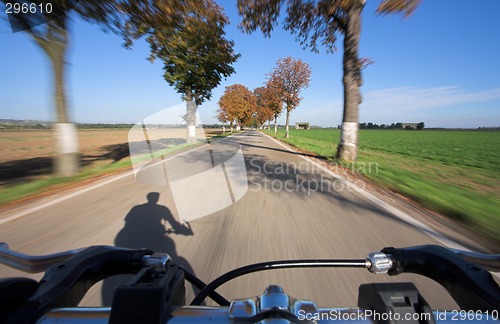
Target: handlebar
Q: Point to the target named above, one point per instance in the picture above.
(70, 274)
(31, 263)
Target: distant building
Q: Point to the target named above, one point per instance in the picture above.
(410, 125)
(302, 125)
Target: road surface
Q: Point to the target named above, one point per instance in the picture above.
(291, 209)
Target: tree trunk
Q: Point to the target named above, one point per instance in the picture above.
(287, 133)
(66, 162)
(348, 147)
(269, 125)
(190, 118)
(275, 124)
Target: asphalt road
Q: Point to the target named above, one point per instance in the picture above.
(289, 208)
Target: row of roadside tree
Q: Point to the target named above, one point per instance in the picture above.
(239, 106)
(189, 37)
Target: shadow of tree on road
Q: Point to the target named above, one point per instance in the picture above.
(302, 179)
(145, 228)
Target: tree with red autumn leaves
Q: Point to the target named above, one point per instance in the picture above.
(272, 98)
(239, 104)
(290, 76)
(264, 111)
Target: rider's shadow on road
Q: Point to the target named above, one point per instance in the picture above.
(145, 227)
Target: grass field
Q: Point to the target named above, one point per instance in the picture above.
(453, 172)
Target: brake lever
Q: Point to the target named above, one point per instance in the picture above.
(490, 262)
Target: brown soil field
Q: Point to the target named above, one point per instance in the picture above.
(25, 144)
(27, 154)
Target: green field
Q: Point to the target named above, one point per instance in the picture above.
(453, 172)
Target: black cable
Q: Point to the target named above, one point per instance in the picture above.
(192, 279)
(210, 288)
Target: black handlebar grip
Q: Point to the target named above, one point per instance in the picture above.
(471, 286)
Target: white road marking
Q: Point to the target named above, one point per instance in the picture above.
(61, 199)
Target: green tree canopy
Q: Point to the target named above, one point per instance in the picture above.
(189, 37)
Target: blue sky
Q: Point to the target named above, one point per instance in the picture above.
(439, 65)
